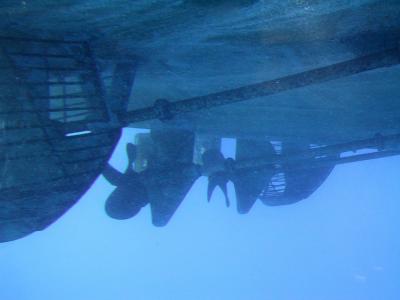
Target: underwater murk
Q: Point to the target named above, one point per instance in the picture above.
(191, 149)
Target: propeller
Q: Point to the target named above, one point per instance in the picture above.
(248, 182)
(171, 173)
(164, 184)
(214, 168)
(130, 194)
(221, 180)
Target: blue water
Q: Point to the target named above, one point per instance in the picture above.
(340, 244)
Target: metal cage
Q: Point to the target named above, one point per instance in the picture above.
(56, 133)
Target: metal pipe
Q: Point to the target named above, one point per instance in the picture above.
(278, 163)
(386, 58)
(328, 154)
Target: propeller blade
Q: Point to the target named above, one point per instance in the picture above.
(113, 176)
(210, 188)
(130, 194)
(214, 167)
(128, 198)
(219, 179)
(249, 183)
(125, 203)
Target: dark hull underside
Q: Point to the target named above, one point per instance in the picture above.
(183, 49)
